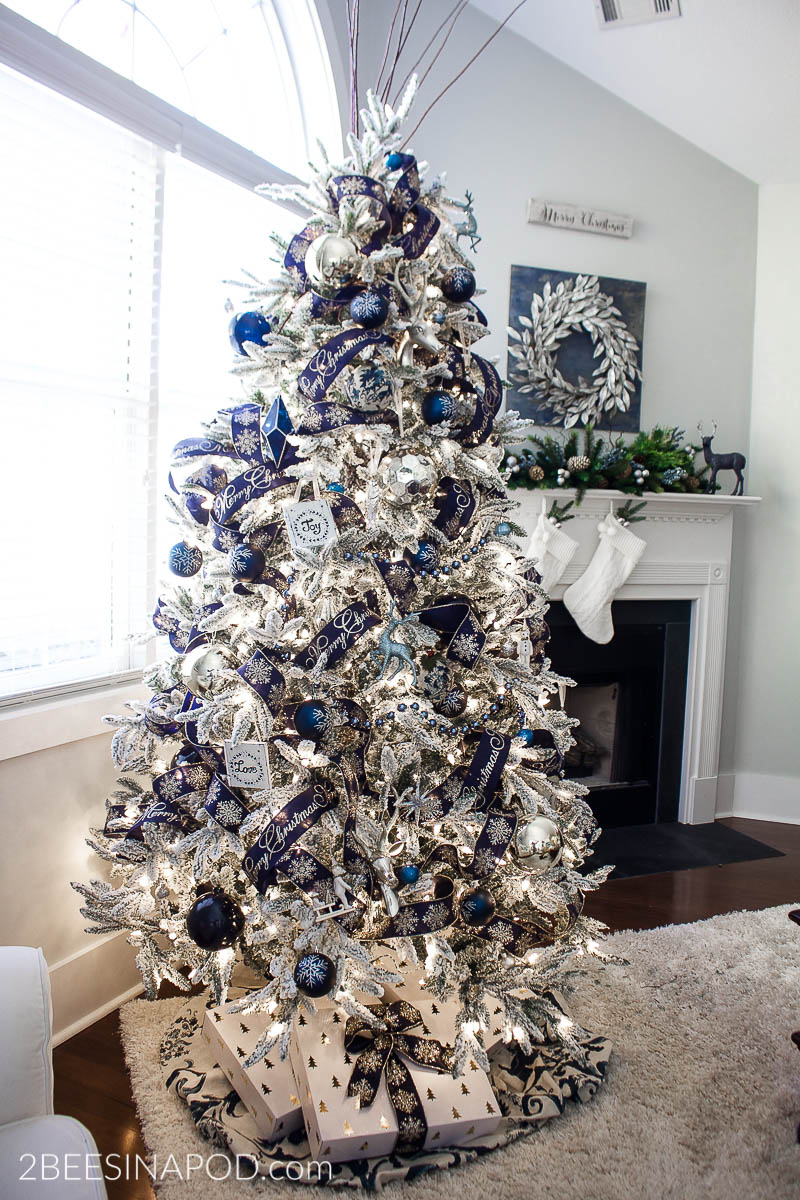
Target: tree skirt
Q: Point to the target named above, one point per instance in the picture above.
(701, 1104)
(529, 1090)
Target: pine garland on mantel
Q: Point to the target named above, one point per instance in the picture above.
(659, 461)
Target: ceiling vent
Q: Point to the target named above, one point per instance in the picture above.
(613, 14)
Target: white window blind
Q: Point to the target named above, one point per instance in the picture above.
(78, 212)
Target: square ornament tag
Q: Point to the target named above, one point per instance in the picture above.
(247, 764)
(309, 524)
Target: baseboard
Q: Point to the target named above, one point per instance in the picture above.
(91, 983)
(758, 797)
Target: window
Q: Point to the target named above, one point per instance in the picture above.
(113, 346)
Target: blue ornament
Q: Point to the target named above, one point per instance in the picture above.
(477, 907)
(502, 529)
(437, 407)
(248, 327)
(425, 558)
(185, 560)
(394, 161)
(277, 424)
(197, 507)
(245, 562)
(312, 719)
(315, 975)
(408, 874)
(527, 736)
(458, 285)
(214, 921)
(370, 388)
(336, 487)
(369, 309)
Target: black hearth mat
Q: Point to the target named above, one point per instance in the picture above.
(649, 849)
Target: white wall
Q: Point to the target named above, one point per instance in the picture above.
(766, 753)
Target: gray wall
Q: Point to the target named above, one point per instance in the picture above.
(521, 124)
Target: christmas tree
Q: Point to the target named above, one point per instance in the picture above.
(352, 758)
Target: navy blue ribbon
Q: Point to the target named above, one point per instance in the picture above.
(250, 485)
(331, 359)
(224, 806)
(327, 415)
(265, 679)
(453, 617)
(338, 636)
(273, 851)
(198, 448)
(455, 504)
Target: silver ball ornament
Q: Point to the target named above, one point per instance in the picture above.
(331, 262)
(199, 667)
(538, 844)
(406, 476)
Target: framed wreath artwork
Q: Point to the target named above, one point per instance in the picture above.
(575, 348)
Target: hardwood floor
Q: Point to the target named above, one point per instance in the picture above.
(91, 1082)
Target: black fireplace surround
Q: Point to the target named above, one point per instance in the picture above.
(647, 662)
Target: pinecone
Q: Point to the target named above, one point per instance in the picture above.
(535, 473)
(626, 472)
(603, 482)
(692, 483)
(579, 462)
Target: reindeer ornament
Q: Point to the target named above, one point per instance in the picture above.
(722, 462)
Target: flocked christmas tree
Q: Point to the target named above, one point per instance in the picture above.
(353, 755)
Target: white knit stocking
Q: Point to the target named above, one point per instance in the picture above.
(552, 549)
(589, 598)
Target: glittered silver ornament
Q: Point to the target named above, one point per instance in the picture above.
(406, 477)
(199, 667)
(538, 844)
(331, 262)
(508, 648)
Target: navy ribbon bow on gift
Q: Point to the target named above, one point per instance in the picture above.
(380, 1051)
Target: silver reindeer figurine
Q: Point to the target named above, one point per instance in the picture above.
(467, 228)
(388, 648)
(419, 334)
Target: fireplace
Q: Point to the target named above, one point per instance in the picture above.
(630, 699)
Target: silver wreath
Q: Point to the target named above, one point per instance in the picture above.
(576, 304)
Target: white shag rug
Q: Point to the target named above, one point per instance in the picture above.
(701, 1100)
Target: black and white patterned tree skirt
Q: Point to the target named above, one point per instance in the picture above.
(530, 1090)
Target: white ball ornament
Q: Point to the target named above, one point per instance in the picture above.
(331, 262)
(538, 844)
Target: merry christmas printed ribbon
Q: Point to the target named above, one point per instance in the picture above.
(453, 617)
(331, 359)
(455, 504)
(276, 849)
(160, 812)
(379, 1052)
(487, 401)
(199, 448)
(250, 485)
(405, 210)
(482, 776)
(224, 806)
(339, 635)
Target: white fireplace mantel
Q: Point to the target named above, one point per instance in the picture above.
(688, 557)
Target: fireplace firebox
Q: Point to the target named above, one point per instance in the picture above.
(630, 699)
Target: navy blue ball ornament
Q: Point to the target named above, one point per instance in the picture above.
(425, 558)
(315, 975)
(197, 508)
(408, 874)
(477, 907)
(312, 720)
(248, 327)
(185, 560)
(458, 285)
(437, 406)
(369, 309)
(245, 563)
(453, 702)
(214, 921)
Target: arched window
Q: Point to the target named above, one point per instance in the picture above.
(134, 132)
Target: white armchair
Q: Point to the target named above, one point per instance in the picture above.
(42, 1156)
